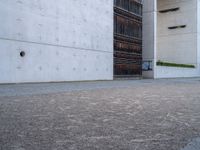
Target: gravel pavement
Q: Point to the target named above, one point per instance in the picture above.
(101, 115)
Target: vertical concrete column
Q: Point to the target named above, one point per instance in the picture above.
(198, 33)
(149, 35)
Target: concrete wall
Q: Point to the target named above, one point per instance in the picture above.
(198, 32)
(176, 72)
(63, 40)
(177, 45)
(149, 34)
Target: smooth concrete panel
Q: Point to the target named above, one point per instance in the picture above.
(44, 63)
(174, 72)
(169, 2)
(185, 16)
(178, 49)
(177, 45)
(66, 23)
(198, 32)
(63, 40)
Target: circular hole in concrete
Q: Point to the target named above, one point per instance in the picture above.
(22, 53)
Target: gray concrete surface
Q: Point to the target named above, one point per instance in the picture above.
(63, 40)
(114, 115)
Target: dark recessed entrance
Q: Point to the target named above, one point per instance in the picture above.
(127, 38)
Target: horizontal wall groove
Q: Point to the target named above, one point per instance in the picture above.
(55, 45)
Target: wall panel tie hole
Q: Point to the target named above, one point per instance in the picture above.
(22, 53)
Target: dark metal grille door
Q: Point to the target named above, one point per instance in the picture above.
(127, 38)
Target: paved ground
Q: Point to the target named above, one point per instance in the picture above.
(113, 115)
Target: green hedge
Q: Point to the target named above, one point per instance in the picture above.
(160, 63)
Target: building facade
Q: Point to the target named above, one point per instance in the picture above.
(127, 38)
(76, 40)
(171, 38)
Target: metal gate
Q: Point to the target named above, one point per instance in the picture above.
(127, 38)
